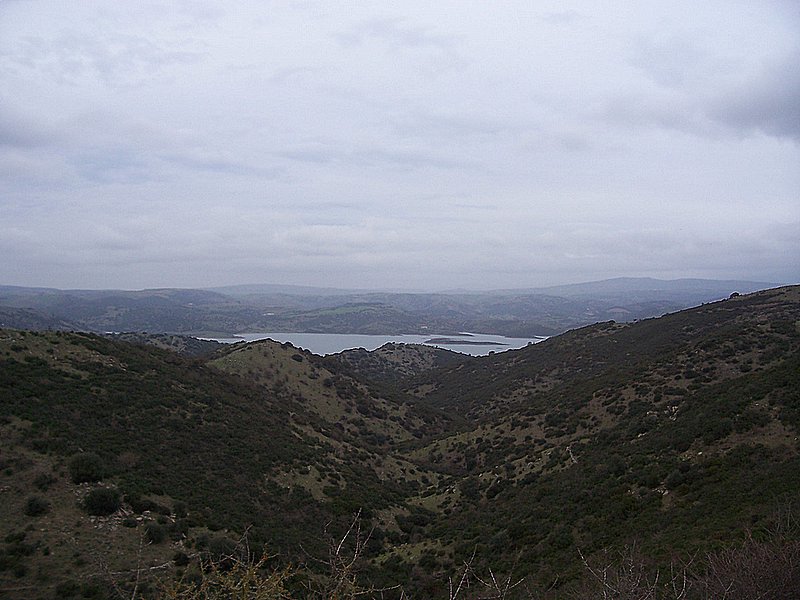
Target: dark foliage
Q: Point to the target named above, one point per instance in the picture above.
(102, 501)
(36, 506)
(86, 467)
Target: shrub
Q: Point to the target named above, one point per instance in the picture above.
(674, 479)
(86, 467)
(102, 501)
(36, 506)
(140, 505)
(218, 549)
(235, 578)
(130, 522)
(43, 481)
(155, 532)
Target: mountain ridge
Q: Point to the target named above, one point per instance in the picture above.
(319, 310)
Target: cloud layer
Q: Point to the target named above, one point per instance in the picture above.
(365, 145)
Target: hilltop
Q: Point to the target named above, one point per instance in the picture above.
(393, 362)
(678, 433)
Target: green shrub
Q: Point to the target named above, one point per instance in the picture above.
(140, 505)
(36, 506)
(155, 532)
(86, 467)
(217, 548)
(102, 501)
(674, 479)
(43, 481)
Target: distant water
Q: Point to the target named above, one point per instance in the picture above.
(331, 343)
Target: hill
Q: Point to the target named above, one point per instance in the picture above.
(182, 344)
(678, 434)
(668, 430)
(238, 309)
(393, 362)
(26, 318)
(262, 438)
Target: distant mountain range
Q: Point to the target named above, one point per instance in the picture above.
(250, 308)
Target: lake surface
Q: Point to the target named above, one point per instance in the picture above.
(331, 343)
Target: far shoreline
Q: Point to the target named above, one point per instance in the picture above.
(450, 342)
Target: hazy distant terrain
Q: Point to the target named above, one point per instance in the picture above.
(237, 309)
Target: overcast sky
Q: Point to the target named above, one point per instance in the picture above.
(405, 145)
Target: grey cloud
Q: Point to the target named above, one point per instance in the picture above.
(449, 126)
(197, 145)
(117, 59)
(700, 88)
(114, 165)
(17, 130)
(368, 156)
(215, 164)
(769, 102)
(396, 31)
(670, 61)
(666, 110)
(312, 154)
(770, 105)
(292, 74)
(411, 159)
(562, 17)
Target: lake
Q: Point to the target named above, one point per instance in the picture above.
(479, 344)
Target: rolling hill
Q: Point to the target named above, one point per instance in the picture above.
(677, 434)
(238, 309)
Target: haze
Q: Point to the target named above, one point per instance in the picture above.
(408, 145)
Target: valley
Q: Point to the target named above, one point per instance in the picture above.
(675, 435)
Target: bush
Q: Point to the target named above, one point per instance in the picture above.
(155, 532)
(67, 589)
(140, 505)
(43, 481)
(218, 549)
(86, 467)
(102, 501)
(36, 506)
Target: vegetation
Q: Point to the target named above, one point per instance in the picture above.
(610, 460)
(102, 501)
(86, 467)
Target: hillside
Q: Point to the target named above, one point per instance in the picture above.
(270, 445)
(26, 318)
(393, 362)
(181, 344)
(677, 433)
(668, 430)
